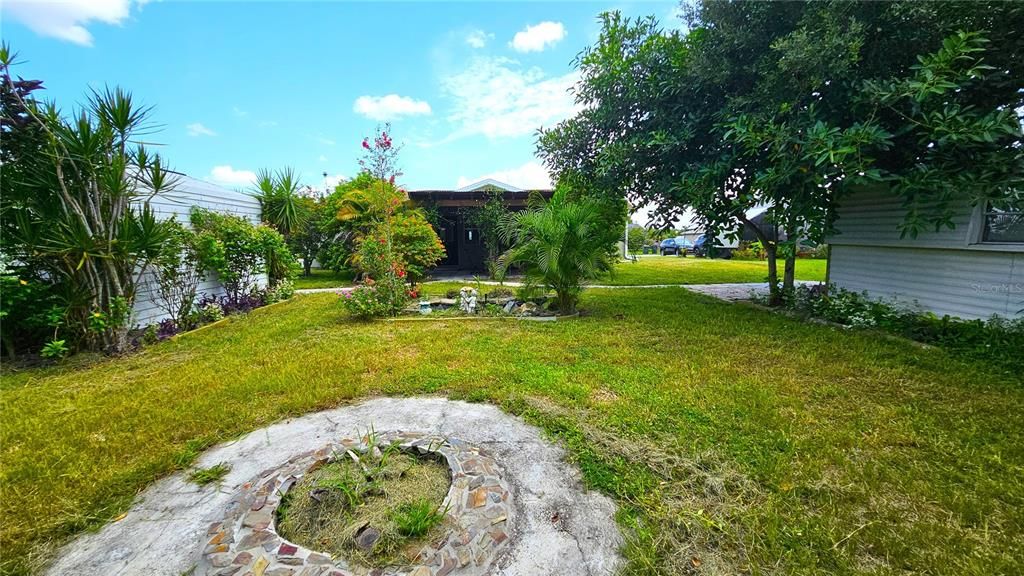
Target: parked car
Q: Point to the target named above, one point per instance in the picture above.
(701, 244)
(678, 246)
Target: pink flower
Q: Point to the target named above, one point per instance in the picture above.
(392, 180)
(366, 143)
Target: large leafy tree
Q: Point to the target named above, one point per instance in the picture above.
(792, 105)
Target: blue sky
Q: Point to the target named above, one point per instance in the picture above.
(239, 86)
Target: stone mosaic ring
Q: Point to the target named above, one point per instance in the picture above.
(245, 542)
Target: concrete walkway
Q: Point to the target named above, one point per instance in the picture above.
(558, 526)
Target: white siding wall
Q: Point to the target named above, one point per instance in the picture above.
(187, 193)
(962, 283)
(946, 272)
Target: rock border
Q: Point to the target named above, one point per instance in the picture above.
(478, 504)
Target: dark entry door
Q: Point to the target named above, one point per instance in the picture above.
(449, 235)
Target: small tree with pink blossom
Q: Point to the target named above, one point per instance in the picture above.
(377, 255)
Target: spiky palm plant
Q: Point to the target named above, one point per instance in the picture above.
(78, 210)
(280, 201)
(559, 244)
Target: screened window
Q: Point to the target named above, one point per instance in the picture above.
(1003, 225)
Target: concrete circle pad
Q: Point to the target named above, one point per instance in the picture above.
(560, 528)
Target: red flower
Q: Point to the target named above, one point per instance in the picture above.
(366, 143)
(401, 273)
(413, 294)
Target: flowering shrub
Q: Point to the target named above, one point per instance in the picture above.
(373, 299)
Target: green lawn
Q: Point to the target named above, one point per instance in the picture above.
(737, 439)
(320, 278)
(690, 270)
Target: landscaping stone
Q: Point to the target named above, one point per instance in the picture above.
(167, 531)
(367, 537)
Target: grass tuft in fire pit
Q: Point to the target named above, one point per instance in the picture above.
(375, 508)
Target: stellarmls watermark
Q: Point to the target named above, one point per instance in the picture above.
(999, 287)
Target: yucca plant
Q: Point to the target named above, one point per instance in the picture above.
(559, 244)
(77, 210)
(280, 201)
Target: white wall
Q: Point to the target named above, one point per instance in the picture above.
(947, 272)
(956, 282)
(177, 203)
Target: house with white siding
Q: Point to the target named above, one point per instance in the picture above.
(177, 203)
(974, 270)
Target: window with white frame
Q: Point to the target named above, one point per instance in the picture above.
(1002, 226)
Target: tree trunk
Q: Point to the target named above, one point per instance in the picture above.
(9, 348)
(789, 274)
(770, 251)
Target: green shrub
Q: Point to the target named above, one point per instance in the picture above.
(211, 312)
(239, 251)
(416, 244)
(749, 251)
(998, 341)
(54, 349)
(178, 272)
(284, 290)
(31, 312)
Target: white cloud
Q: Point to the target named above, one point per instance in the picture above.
(67, 19)
(267, 123)
(325, 141)
(323, 158)
(530, 176)
(334, 180)
(197, 129)
(389, 107)
(239, 112)
(227, 175)
(498, 98)
(478, 38)
(538, 37)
